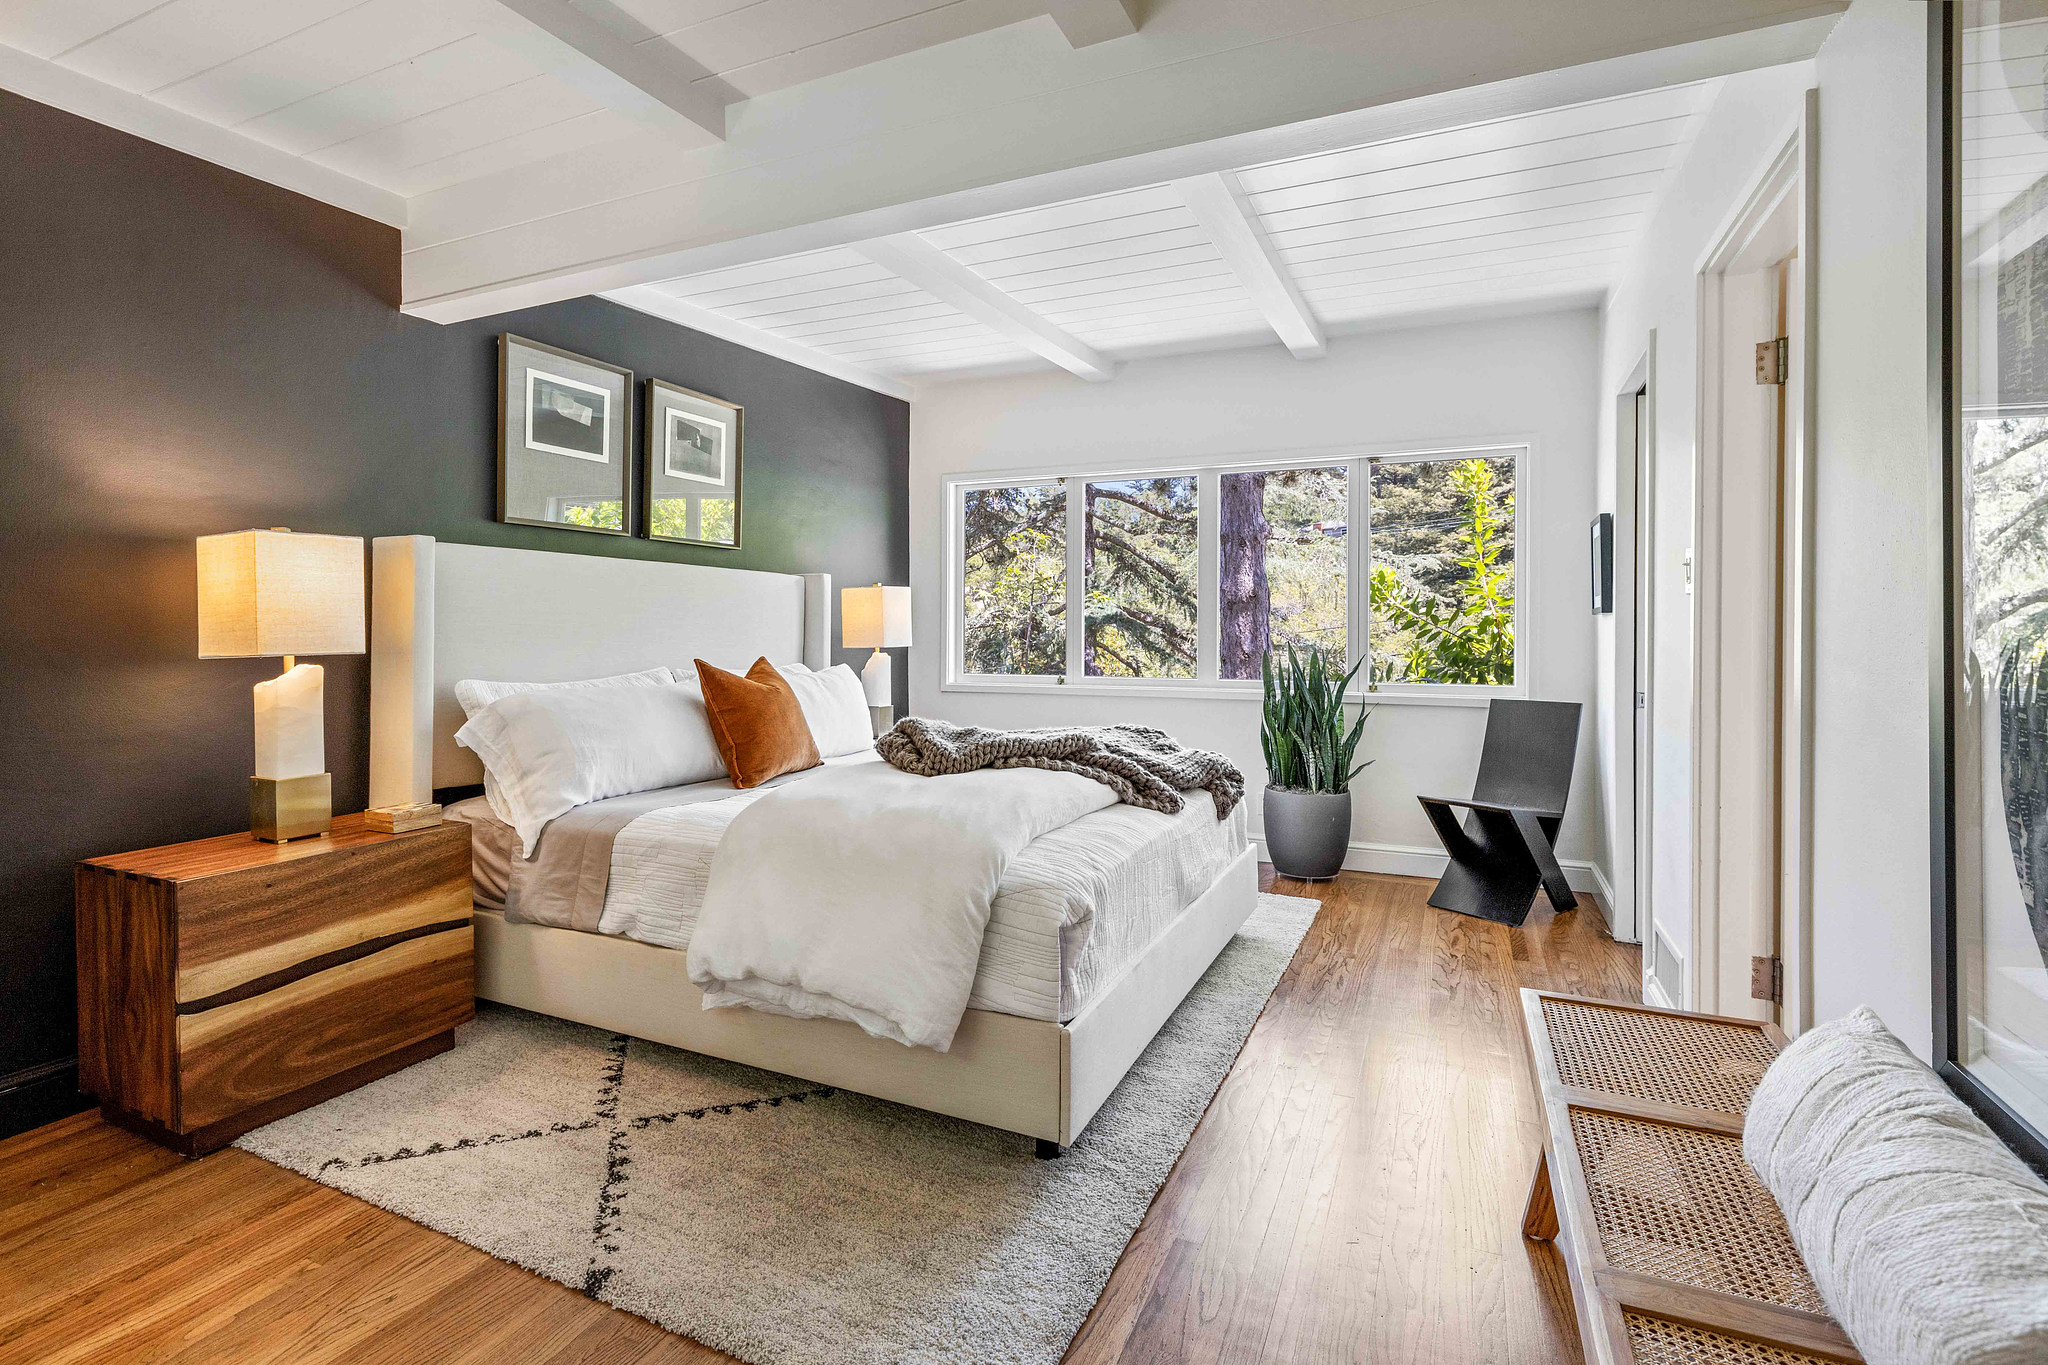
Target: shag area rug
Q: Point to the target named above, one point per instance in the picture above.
(784, 1222)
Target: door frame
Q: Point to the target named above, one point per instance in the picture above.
(1788, 181)
(1634, 628)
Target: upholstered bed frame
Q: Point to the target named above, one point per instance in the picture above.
(441, 613)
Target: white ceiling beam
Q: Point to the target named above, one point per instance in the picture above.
(912, 258)
(1087, 22)
(916, 159)
(1219, 204)
(656, 84)
(77, 93)
(646, 298)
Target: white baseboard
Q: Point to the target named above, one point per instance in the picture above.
(1410, 860)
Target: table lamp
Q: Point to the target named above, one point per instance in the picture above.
(875, 618)
(268, 594)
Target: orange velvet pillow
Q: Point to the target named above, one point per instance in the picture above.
(760, 729)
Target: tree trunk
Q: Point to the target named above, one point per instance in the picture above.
(1246, 630)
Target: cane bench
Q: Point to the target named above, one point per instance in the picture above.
(1676, 1252)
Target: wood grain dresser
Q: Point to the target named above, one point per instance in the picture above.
(227, 982)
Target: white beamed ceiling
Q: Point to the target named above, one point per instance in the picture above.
(1538, 209)
(415, 95)
(1026, 159)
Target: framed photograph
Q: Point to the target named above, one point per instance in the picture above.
(693, 462)
(1988, 676)
(563, 445)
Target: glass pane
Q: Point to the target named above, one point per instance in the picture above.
(604, 515)
(1283, 537)
(1015, 580)
(2002, 720)
(692, 518)
(1443, 571)
(1141, 578)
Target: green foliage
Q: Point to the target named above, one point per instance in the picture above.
(715, 519)
(671, 517)
(1015, 580)
(607, 516)
(1141, 579)
(1465, 634)
(1302, 722)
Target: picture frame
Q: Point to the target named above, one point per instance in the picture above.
(693, 462)
(564, 439)
(1989, 731)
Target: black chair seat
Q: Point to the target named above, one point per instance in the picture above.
(1506, 847)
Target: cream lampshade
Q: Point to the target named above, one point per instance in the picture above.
(876, 618)
(275, 594)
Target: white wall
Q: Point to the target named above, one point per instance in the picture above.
(1870, 933)
(1874, 579)
(1526, 377)
(1659, 293)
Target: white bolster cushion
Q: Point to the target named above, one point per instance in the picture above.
(554, 750)
(1927, 1237)
(835, 706)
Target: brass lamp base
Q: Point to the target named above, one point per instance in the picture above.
(284, 808)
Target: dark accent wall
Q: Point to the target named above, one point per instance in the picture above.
(185, 350)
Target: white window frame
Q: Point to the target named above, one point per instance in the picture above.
(1208, 472)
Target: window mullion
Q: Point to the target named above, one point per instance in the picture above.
(1358, 583)
(1077, 576)
(1208, 575)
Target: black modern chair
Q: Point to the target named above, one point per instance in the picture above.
(1504, 850)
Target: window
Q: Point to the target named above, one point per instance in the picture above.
(1283, 551)
(1404, 564)
(1443, 571)
(1141, 579)
(1014, 587)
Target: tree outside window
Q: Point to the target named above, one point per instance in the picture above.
(1015, 583)
(1440, 582)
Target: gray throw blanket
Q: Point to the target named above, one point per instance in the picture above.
(1143, 766)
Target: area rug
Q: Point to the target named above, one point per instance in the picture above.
(784, 1222)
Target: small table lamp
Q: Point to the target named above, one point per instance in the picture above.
(875, 618)
(265, 594)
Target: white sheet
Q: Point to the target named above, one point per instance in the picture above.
(1074, 910)
(861, 894)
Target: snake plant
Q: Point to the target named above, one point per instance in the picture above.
(1302, 729)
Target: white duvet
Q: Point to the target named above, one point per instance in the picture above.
(863, 893)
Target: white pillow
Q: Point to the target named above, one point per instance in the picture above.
(473, 694)
(554, 749)
(834, 706)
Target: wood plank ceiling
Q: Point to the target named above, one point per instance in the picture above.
(1526, 211)
(1016, 181)
(416, 95)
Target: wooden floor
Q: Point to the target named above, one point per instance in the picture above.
(1354, 1194)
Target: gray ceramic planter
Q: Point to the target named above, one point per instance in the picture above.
(1307, 832)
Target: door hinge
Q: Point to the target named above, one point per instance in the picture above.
(1770, 361)
(1642, 700)
(1767, 979)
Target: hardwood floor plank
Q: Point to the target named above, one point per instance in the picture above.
(1354, 1193)
(92, 1162)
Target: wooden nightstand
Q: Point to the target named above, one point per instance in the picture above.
(228, 982)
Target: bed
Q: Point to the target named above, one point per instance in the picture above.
(1061, 1007)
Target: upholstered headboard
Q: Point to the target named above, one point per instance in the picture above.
(442, 613)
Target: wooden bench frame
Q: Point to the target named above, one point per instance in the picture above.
(1561, 1210)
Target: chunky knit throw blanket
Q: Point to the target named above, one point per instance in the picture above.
(1143, 766)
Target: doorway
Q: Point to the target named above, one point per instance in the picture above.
(1753, 620)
